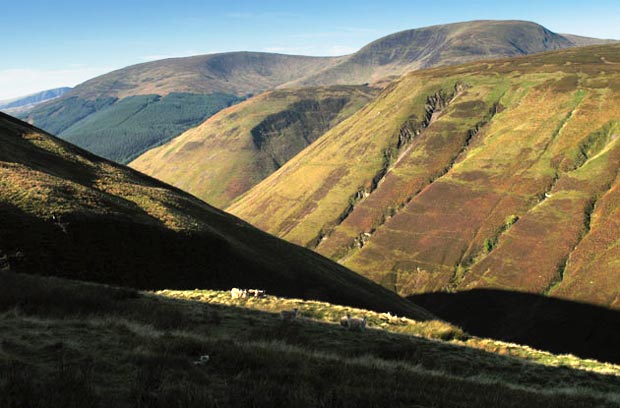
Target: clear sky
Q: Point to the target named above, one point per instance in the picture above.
(52, 43)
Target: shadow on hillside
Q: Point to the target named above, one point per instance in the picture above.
(551, 324)
(127, 250)
(64, 302)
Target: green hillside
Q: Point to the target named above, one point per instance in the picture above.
(69, 344)
(240, 146)
(135, 124)
(502, 174)
(66, 212)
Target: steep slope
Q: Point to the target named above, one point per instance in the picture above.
(240, 146)
(501, 174)
(439, 45)
(69, 213)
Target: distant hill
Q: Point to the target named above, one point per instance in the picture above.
(501, 174)
(120, 130)
(240, 74)
(126, 112)
(240, 146)
(22, 104)
(580, 41)
(69, 213)
(438, 45)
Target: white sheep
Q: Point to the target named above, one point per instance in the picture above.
(288, 315)
(357, 324)
(237, 293)
(257, 293)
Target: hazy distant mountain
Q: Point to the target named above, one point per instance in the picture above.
(581, 41)
(238, 73)
(23, 103)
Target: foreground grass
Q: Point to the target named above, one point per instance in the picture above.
(103, 346)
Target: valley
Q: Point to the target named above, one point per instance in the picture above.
(427, 218)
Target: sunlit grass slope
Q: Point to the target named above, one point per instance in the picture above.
(240, 146)
(68, 344)
(501, 174)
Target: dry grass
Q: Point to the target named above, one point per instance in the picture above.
(114, 347)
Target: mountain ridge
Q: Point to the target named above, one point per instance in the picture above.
(90, 114)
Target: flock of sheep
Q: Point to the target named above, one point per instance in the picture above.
(351, 323)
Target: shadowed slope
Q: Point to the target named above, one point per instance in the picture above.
(551, 324)
(240, 146)
(501, 174)
(107, 346)
(69, 213)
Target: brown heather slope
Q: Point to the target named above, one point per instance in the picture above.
(501, 174)
(238, 73)
(441, 45)
(240, 146)
(66, 212)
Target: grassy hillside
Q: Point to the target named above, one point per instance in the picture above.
(68, 344)
(240, 146)
(439, 45)
(69, 213)
(501, 174)
(238, 73)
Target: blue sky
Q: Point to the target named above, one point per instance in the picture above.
(55, 43)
